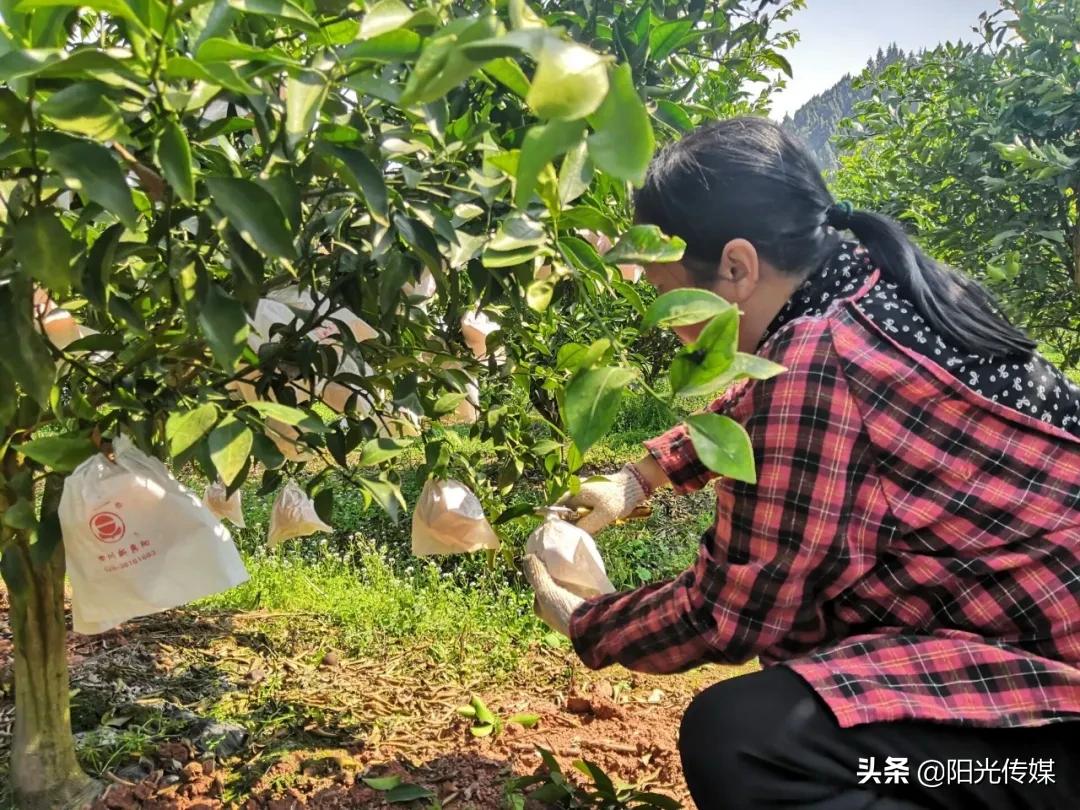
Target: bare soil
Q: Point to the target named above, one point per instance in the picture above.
(321, 723)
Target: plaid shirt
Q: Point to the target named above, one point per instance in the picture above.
(910, 548)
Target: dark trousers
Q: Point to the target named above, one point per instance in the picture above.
(766, 740)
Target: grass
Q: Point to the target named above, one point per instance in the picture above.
(474, 610)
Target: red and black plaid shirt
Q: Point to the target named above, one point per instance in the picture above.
(911, 548)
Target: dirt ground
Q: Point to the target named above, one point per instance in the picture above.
(319, 724)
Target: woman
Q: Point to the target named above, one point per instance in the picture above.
(907, 566)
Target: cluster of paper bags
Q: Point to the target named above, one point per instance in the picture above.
(449, 519)
(137, 541)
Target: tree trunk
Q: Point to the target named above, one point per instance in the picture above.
(45, 774)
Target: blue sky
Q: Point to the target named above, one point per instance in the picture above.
(838, 36)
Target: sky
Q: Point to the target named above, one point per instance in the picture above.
(838, 36)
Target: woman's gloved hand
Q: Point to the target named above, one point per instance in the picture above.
(610, 498)
(552, 603)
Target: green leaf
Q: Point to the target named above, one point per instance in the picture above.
(570, 81)
(508, 73)
(701, 367)
(542, 144)
(376, 451)
(361, 175)
(218, 49)
(722, 445)
(381, 783)
(254, 212)
(524, 719)
(21, 516)
(573, 356)
(280, 9)
(521, 16)
(83, 108)
(288, 415)
(58, 453)
(114, 8)
(483, 713)
(225, 325)
(393, 46)
(622, 144)
(184, 429)
(778, 60)
(389, 15)
(538, 294)
(575, 174)
(174, 156)
(442, 64)
(592, 403)
(684, 307)
(407, 793)
(26, 356)
(447, 403)
(230, 445)
(44, 248)
(645, 244)
(305, 93)
(91, 170)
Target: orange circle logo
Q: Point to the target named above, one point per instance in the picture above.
(107, 527)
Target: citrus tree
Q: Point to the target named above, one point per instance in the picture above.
(976, 148)
(261, 237)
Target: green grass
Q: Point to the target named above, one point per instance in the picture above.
(474, 610)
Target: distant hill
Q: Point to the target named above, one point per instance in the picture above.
(815, 121)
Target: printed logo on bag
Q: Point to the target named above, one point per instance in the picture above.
(107, 527)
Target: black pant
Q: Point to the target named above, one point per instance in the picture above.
(767, 740)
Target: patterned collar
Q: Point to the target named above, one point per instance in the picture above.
(841, 274)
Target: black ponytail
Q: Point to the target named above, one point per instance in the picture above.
(747, 178)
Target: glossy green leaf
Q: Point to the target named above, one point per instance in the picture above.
(443, 64)
(305, 92)
(389, 15)
(358, 172)
(623, 142)
(381, 783)
(509, 74)
(280, 9)
(705, 365)
(542, 144)
(254, 213)
(645, 244)
(684, 307)
(26, 357)
(58, 453)
(592, 402)
(376, 451)
(83, 108)
(114, 8)
(570, 81)
(44, 248)
(538, 294)
(407, 793)
(174, 156)
(287, 415)
(393, 46)
(184, 428)
(230, 445)
(225, 325)
(722, 445)
(91, 170)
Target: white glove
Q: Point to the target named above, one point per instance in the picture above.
(612, 497)
(553, 603)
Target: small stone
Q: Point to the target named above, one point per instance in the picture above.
(192, 771)
(331, 659)
(656, 695)
(604, 689)
(514, 729)
(170, 779)
(208, 765)
(578, 705)
(221, 739)
(133, 773)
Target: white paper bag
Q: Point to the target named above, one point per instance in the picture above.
(475, 328)
(449, 519)
(571, 557)
(138, 542)
(224, 508)
(293, 515)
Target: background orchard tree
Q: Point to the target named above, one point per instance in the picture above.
(975, 147)
(164, 166)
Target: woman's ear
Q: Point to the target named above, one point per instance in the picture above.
(739, 270)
